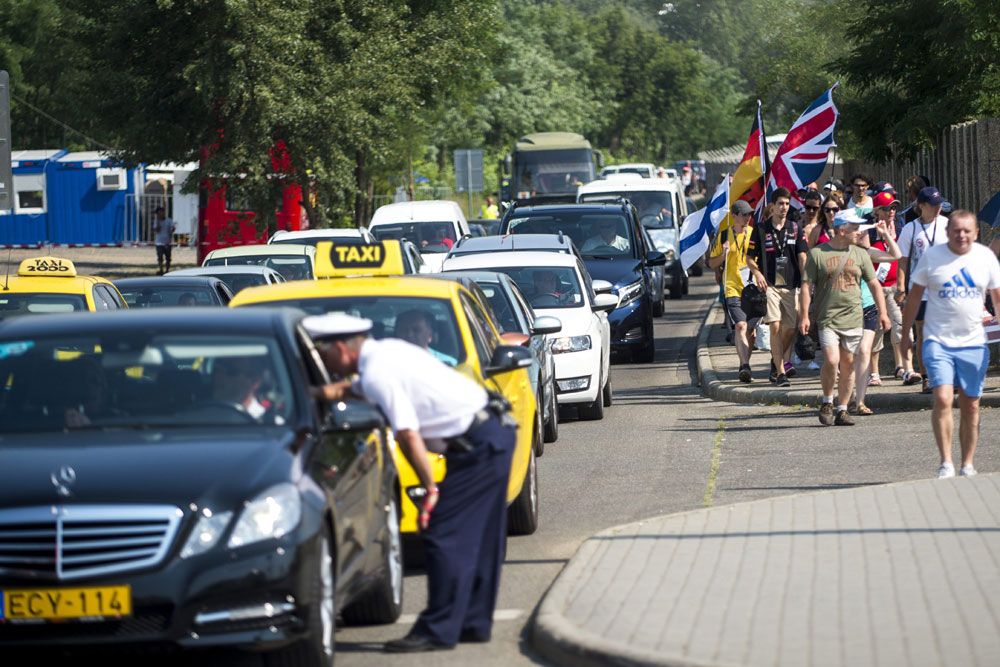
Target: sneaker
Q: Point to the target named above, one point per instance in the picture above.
(946, 470)
(826, 414)
(773, 376)
(813, 366)
(925, 387)
(781, 380)
(966, 471)
(843, 418)
(745, 376)
(790, 370)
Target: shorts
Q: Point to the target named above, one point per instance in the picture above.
(921, 312)
(782, 306)
(849, 339)
(870, 318)
(736, 313)
(962, 367)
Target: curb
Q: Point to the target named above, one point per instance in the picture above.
(713, 387)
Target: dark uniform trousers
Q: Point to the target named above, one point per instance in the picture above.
(466, 540)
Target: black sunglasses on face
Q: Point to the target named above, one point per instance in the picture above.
(829, 209)
(812, 208)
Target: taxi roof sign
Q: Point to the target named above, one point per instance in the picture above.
(345, 259)
(48, 267)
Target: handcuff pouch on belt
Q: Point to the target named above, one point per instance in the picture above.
(497, 405)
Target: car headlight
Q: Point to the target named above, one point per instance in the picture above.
(206, 532)
(570, 344)
(270, 515)
(629, 293)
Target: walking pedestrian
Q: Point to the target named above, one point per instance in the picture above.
(886, 210)
(776, 257)
(731, 256)
(812, 201)
(823, 231)
(489, 210)
(163, 238)
(872, 331)
(464, 524)
(917, 237)
(836, 269)
(860, 199)
(955, 276)
(914, 184)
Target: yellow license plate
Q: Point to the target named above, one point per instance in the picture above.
(66, 603)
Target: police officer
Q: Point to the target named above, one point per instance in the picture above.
(433, 407)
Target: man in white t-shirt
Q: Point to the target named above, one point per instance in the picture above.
(954, 277)
(916, 238)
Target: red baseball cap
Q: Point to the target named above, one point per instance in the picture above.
(884, 199)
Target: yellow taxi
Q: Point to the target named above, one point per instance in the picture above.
(51, 285)
(452, 321)
(350, 259)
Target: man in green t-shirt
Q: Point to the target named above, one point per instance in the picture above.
(836, 269)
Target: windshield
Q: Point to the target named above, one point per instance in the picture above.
(20, 303)
(142, 380)
(552, 172)
(642, 171)
(167, 297)
(656, 208)
(664, 239)
(431, 237)
(546, 286)
(427, 323)
(291, 267)
(595, 234)
(503, 310)
(239, 281)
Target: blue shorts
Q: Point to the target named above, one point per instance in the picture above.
(962, 367)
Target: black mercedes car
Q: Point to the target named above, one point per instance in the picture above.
(168, 479)
(615, 249)
(169, 291)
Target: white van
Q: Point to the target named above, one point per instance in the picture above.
(662, 208)
(433, 226)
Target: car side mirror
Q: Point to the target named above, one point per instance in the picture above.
(656, 258)
(546, 324)
(507, 358)
(354, 415)
(603, 287)
(605, 303)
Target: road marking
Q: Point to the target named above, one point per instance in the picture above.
(713, 470)
(498, 615)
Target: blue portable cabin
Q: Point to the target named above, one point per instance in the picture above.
(27, 223)
(88, 199)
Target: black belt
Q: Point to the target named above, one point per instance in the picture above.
(494, 408)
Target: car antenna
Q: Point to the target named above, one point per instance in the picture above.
(6, 277)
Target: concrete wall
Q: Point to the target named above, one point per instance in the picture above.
(965, 166)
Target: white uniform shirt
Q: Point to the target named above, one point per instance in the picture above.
(917, 238)
(416, 391)
(956, 287)
(619, 243)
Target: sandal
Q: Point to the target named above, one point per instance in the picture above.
(899, 373)
(912, 378)
(874, 380)
(863, 410)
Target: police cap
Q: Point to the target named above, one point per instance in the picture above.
(335, 326)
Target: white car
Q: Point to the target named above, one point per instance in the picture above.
(314, 236)
(559, 285)
(644, 169)
(433, 226)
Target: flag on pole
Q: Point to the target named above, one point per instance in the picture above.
(802, 156)
(748, 179)
(700, 226)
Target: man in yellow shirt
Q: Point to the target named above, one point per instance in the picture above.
(730, 249)
(489, 210)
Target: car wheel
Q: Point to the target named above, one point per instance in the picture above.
(538, 441)
(658, 308)
(551, 432)
(696, 269)
(383, 602)
(676, 291)
(316, 649)
(606, 394)
(593, 411)
(645, 354)
(685, 288)
(522, 515)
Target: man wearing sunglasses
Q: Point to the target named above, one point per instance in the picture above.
(776, 258)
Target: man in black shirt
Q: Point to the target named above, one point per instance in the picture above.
(776, 258)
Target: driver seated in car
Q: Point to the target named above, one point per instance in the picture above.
(416, 327)
(547, 284)
(440, 235)
(607, 235)
(236, 381)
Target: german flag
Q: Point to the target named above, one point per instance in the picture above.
(748, 179)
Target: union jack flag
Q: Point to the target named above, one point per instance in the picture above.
(801, 158)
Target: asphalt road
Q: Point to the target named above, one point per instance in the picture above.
(661, 448)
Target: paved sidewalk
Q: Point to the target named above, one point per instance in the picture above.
(718, 367)
(899, 574)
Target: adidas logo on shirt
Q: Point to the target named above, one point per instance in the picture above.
(961, 286)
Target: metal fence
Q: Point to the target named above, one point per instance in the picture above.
(139, 218)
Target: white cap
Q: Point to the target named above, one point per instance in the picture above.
(849, 216)
(336, 325)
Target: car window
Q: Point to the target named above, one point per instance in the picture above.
(425, 322)
(142, 380)
(596, 233)
(523, 304)
(167, 297)
(547, 286)
(291, 267)
(429, 237)
(503, 309)
(483, 349)
(24, 303)
(102, 300)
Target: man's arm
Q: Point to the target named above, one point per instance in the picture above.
(757, 275)
(411, 443)
(901, 271)
(876, 289)
(805, 298)
(910, 315)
